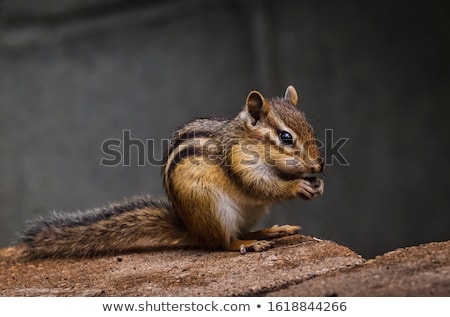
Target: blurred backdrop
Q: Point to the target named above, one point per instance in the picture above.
(76, 73)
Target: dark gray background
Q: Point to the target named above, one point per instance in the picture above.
(75, 73)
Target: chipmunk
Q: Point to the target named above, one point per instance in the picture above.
(220, 176)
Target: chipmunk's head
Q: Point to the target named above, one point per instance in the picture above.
(289, 142)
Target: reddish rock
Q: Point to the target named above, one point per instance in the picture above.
(296, 266)
(415, 271)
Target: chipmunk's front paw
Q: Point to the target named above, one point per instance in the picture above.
(310, 187)
(280, 231)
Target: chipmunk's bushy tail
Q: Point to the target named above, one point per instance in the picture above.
(133, 224)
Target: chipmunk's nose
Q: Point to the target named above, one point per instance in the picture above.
(319, 166)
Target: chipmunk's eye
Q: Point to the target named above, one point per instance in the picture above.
(286, 138)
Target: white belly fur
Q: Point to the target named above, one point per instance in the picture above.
(239, 217)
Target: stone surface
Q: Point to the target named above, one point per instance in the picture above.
(296, 266)
(176, 272)
(415, 271)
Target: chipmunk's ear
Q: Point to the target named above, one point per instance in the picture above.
(256, 106)
(291, 96)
